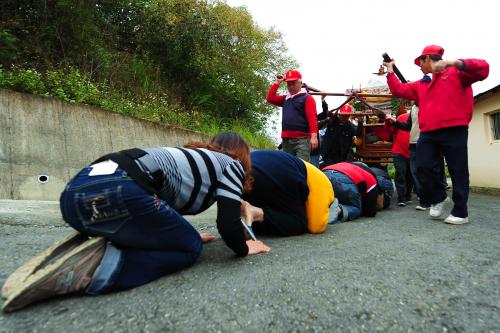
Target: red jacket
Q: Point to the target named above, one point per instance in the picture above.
(310, 113)
(383, 132)
(447, 100)
(401, 144)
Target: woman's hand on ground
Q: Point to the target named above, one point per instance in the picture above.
(256, 247)
(206, 237)
(251, 214)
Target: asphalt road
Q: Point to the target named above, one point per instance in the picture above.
(398, 272)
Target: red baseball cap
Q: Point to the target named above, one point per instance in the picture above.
(345, 109)
(292, 75)
(428, 50)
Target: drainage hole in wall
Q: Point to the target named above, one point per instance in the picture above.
(43, 179)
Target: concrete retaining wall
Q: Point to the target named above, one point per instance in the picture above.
(44, 142)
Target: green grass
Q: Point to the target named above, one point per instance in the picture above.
(74, 87)
(391, 170)
(485, 190)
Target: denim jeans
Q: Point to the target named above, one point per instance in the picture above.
(147, 238)
(347, 193)
(314, 160)
(387, 189)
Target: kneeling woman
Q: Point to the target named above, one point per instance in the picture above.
(133, 200)
(289, 196)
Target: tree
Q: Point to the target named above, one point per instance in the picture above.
(210, 56)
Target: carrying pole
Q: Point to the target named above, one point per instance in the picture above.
(394, 68)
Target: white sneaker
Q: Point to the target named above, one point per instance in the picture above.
(333, 215)
(436, 211)
(456, 220)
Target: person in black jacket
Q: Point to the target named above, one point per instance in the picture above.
(338, 141)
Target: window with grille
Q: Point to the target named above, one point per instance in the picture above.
(495, 124)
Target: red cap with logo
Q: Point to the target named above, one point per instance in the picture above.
(345, 109)
(292, 75)
(428, 50)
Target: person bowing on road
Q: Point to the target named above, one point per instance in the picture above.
(128, 210)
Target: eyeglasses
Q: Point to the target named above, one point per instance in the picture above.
(422, 57)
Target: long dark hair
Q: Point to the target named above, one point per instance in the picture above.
(233, 145)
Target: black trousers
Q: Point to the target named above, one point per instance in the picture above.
(452, 142)
(403, 181)
(414, 177)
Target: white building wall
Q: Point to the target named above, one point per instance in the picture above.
(483, 150)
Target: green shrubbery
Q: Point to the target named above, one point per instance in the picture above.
(193, 63)
(74, 87)
(70, 86)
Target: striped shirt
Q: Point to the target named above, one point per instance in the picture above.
(196, 178)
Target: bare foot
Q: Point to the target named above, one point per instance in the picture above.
(251, 213)
(256, 247)
(206, 237)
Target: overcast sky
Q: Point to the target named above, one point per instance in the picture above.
(339, 43)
